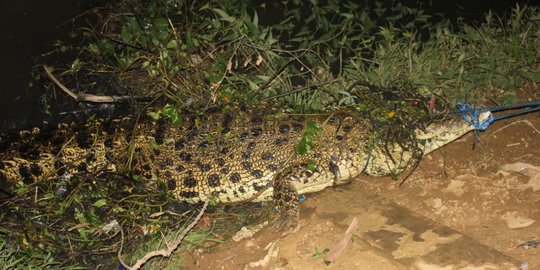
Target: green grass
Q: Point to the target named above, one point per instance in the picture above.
(469, 63)
(15, 258)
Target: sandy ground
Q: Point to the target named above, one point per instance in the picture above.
(469, 205)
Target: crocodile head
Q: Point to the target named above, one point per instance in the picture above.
(439, 134)
(433, 137)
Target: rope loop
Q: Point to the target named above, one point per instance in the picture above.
(471, 115)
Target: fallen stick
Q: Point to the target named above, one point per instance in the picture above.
(163, 252)
(343, 243)
(84, 97)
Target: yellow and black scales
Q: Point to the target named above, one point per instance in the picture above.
(229, 156)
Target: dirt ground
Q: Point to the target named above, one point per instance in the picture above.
(469, 205)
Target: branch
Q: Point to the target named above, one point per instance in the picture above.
(84, 97)
(162, 252)
(300, 89)
(276, 74)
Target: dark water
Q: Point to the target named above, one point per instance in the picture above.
(28, 27)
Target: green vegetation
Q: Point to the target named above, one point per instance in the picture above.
(307, 56)
(382, 61)
(14, 258)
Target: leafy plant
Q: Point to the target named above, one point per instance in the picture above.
(307, 141)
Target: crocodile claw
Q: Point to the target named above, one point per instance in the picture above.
(287, 222)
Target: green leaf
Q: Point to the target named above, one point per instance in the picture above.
(161, 23)
(119, 209)
(312, 166)
(126, 35)
(253, 86)
(214, 200)
(154, 115)
(176, 120)
(306, 142)
(100, 203)
(224, 16)
(347, 15)
(314, 127)
(255, 19)
(169, 110)
(171, 44)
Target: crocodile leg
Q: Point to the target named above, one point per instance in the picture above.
(286, 201)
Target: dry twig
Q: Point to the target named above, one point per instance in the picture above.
(84, 97)
(343, 243)
(166, 252)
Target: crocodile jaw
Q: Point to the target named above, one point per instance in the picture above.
(439, 134)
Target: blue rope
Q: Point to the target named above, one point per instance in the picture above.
(471, 115)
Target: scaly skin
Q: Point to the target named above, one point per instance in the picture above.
(231, 156)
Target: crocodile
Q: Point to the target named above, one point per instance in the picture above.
(227, 157)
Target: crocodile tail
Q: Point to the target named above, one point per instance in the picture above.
(42, 154)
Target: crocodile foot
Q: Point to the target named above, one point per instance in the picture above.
(287, 222)
(286, 202)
